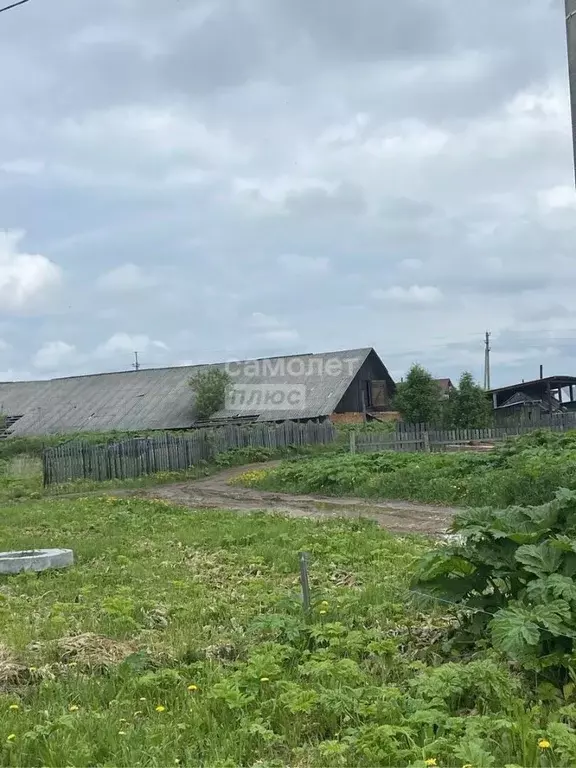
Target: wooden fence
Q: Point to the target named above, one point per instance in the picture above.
(421, 438)
(169, 453)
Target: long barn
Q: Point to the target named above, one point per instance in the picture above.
(351, 385)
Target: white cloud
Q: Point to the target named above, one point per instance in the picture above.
(127, 343)
(411, 264)
(304, 265)
(23, 167)
(153, 130)
(281, 336)
(261, 320)
(52, 354)
(124, 279)
(415, 294)
(561, 197)
(25, 278)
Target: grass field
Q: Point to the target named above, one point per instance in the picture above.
(179, 638)
(523, 471)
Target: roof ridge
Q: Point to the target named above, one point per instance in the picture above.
(364, 350)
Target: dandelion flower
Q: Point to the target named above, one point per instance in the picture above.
(14, 707)
(160, 708)
(544, 744)
(11, 737)
(264, 679)
(73, 708)
(431, 762)
(192, 687)
(325, 603)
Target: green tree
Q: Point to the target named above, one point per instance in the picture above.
(210, 387)
(418, 398)
(469, 406)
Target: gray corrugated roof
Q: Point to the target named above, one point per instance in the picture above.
(161, 398)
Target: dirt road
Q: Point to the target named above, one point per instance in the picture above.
(215, 492)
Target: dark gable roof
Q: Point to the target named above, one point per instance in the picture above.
(161, 398)
(444, 384)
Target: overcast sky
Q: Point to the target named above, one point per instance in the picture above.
(216, 180)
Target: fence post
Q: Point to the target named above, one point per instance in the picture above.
(303, 557)
(352, 442)
(426, 440)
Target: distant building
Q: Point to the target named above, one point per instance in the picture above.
(530, 400)
(351, 385)
(446, 386)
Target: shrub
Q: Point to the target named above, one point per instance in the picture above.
(515, 569)
(210, 387)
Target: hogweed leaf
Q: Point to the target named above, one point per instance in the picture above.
(514, 632)
(539, 559)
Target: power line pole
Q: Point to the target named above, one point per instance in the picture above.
(570, 6)
(136, 364)
(487, 361)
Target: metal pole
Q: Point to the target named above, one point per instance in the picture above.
(570, 6)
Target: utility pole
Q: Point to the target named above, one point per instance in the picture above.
(487, 361)
(136, 364)
(570, 6)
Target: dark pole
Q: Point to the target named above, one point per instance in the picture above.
(541, 371)
(7, 8)
(571, 39)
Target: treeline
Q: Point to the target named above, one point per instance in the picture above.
(420, 400)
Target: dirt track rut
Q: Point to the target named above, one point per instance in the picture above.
(215, 492)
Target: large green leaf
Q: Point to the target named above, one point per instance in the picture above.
(540, 559)
(515, 632)
(443, 562)
(554, 616)
(553, 586)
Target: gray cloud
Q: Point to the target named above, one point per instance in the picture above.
(390, 174)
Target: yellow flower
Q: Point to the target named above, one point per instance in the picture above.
(160, 708)
(192, 687)
(14, 706)
(325, 603)
(264, 679)
(322, 613)
(73, 708)
(544, 744)
(11, 737)
(431, 761)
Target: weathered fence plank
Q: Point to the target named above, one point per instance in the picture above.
(169, 453)
(417, 438)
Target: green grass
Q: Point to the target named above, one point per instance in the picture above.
(525, 471)
(21, 475)
(97, 659)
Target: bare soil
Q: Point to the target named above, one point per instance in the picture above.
(215, 492)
